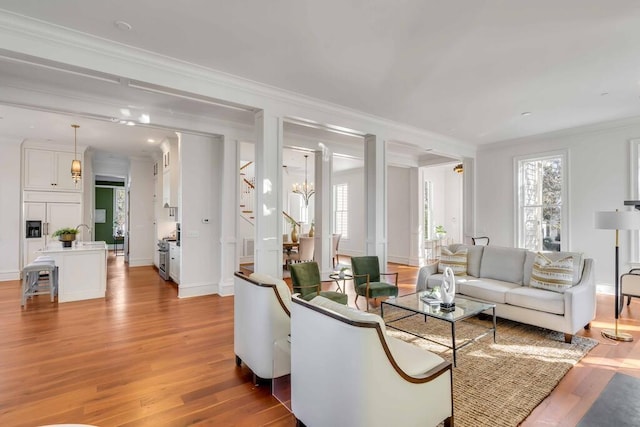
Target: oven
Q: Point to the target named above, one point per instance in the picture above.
(163, 259)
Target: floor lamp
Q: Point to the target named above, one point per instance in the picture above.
(618, 220)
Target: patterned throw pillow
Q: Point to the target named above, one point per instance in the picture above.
(554, 276)
(457, 261)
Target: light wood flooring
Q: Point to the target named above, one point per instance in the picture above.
(143, 357)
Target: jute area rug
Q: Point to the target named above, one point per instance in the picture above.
(496, 384)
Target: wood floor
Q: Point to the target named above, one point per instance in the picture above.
(143, 357)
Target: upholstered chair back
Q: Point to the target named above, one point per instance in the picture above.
(366, 265)
(304, 275)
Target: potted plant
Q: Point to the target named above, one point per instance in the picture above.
(440, 232)
(66, 236)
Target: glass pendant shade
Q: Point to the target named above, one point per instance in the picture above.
(76, 167)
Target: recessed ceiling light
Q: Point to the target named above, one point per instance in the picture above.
(144, 118)
(526, 113)
(151, 140)
(122, 25)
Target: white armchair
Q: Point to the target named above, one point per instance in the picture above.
(262, 307)
(346, 371)
(630, 285)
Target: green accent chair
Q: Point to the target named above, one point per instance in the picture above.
(366, 279)
(305, 280)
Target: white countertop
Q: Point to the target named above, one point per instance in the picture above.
(79, 247)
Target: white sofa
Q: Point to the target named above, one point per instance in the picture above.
(262, 307)
(346, 371)
(503, 276)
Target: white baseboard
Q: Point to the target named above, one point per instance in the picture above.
(6, 276)
(141, 262)
(226, 288)
(398, 260)
(197, 290)
(246, 260)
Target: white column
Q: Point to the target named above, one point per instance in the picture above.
(268, 209)
(468, 200)
(375, 183)
(323, 212)
(229, 215)
(416, 217)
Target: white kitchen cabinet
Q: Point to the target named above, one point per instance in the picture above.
(53, 215)
(170, 172)
(49, 170)
(174, 262)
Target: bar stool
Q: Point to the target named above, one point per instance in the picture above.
(33, 284)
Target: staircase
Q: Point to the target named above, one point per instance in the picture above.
(247, 192)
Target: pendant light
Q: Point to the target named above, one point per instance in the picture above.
(306, 190)
(76, 167)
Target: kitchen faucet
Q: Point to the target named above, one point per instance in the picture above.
(83, 225)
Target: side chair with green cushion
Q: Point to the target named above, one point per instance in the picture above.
(305, 280)
(366, 279)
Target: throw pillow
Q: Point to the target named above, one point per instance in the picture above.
(554, 276)
(456, 260)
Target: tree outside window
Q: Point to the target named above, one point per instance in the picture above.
(540, 199)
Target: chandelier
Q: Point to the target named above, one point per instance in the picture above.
(76, 168)
(305, 190)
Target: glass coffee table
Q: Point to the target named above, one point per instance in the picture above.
(415, 304)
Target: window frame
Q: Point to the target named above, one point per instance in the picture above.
(564, 194)
(345, 234)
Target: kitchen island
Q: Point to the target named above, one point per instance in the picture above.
(82, 270)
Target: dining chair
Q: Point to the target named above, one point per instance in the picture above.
(305, 250)
(334, 248)
(480, 241)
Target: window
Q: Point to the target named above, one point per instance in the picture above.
(119, 212)
(541, 208)
(341, 210)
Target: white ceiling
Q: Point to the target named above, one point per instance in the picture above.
(463, 68)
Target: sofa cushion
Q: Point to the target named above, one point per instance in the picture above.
(457, 261)
(505, 264)
(281, 286)
(556, 276)
(485, 289)
(536, 299)
(578, 264)
(474, 257)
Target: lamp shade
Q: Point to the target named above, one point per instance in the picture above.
(617, 220)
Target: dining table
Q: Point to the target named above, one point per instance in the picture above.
(288, 247)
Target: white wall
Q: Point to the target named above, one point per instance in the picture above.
(141, 213)
(201, 181)
(598, 180)
(447, 199)
(355, 244)
(10, 212)
(398, 215)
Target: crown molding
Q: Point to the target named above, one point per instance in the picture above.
(39, 39)
(601, 127)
